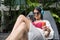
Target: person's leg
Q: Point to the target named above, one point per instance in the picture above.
(18, 33)
(24, 33)
(20, 19)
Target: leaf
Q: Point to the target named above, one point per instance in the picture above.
(55, 15)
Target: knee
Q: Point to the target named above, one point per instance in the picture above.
(21, 16)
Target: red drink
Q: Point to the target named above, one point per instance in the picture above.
(43, 24)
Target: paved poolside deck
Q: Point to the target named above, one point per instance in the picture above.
(3, 36)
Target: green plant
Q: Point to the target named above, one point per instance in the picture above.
(31, 5)
(56, 17)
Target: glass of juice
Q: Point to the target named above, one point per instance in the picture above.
(43, 24)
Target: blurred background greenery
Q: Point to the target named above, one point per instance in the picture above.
(13, 8)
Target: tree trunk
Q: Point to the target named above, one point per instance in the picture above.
(2, 21)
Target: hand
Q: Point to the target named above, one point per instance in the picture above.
(46, 30)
